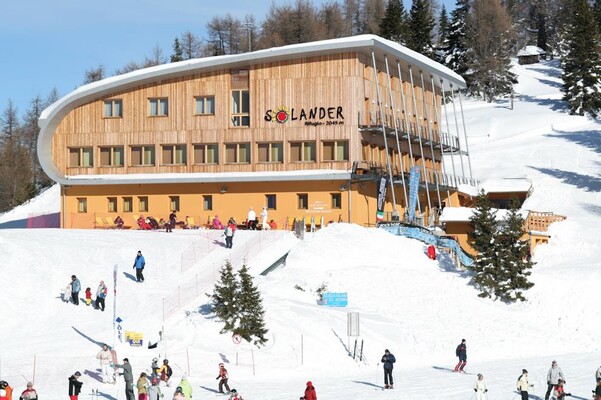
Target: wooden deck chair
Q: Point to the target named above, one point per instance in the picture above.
(135, 217)
(100, 224)
(191, 223)
(110, 223)
(289, 223)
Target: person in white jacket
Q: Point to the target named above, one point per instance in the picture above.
(264, 223)
(105, 357)
(480, 388)
(553, 376)
(523, 385)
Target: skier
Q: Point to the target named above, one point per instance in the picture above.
(74, 386)
(165, 372)
(309, 392)
(139, 264)
(142, 386)
(235, 395)
(100, 296)
(154, 391)
(597, 390)
(388, 360)
(559, 392)
(554, 375)
(67, 293)
(229, 231)
(461, 352)
(88, 296)
(128, 377)
(178, 395)
(29, 393)
(106, 358)
(480, 388)
(75, 288)
(523, 385)
(6, 392)
(186, 387)
(224, 377)
(154, 367)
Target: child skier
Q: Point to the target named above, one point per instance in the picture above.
(224, 377)
(88, 296)
(235, 395)
(480, 388)
(559, 392)
(165, 372)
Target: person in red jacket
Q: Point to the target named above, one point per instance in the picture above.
(224, 377)
(309, 392)
(6, 392)
(432, 252)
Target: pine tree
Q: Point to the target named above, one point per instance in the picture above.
(487, 266)
(421, 25)
(251, 314)
(178, 54)
(224, 299)
(456, 51)
(444, 30)
(597, 13)
(394, 24)
(515, 256)
(581, 63)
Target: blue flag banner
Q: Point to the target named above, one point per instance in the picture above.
(334, 299)
(381, 196)
(413, 190)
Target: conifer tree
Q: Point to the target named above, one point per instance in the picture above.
(394, 24)
(421, 25)
(224, 298)
(581, 62)
(456, 51)
(597, 13)
(251, 314)
(444, 30)
(178, 53)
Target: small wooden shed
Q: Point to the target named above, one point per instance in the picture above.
(531, 55)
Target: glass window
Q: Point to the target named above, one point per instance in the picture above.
(302, 152)
(207, 202)
(205, 105)
(237, 153)
(143, 204)
(80, 157)
(270, 200)
(240, 108)
(271, 152)
(335, 151)
(174, 203)
(303, 201)
(142, 155)
(128, 204)
(336, 200)
(111, 156)
(82, 204)
(159, 107)
(174, 154)
(206, 154)
(113, 108)
(112, 204)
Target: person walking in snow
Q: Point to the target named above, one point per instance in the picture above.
(523, 385)
(480, 388)
(128, 377)
(139, 264)
(264, 223)
(29, 393)
(154, 391)
(554, 375)
(75, 288)
(461, 352)
(100, 296)
(388, 360)
(165, 372)
(251, 219)
(74, 386)
(105, 357)
(229, 231)
(172, 221)
(142, 386)
(309, 392)
(223, 378)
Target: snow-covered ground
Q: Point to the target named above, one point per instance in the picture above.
(418, 308)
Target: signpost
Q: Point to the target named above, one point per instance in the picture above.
(335, 299)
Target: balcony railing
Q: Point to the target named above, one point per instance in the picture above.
(539, 221)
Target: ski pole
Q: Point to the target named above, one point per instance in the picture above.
(377, 368)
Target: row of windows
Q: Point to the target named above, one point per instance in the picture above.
(207, 203)
(234, 153)
(204, 105)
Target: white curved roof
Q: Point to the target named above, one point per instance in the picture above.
(51, 116)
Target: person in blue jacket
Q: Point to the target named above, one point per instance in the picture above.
(139, 264)
(461, 353)
(75, 288)
(387, 360)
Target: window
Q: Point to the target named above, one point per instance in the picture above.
(159, 107)
(205, 105)
(336, 200)
(112, 204)
(237, 153)
(82, 204)
(174, 154)
(335, 151)
(240, 108)
(174, 203)
(303, 201)
(207, 202)
(128, 204)
(270, 201)
(142, 155)
(143, 204)
(271, 152)
(302, 152)
(113, 108)
(80, 157)
(111, 156)
(206, 154)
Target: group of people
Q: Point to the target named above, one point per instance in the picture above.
(71, 293)
(6, 392)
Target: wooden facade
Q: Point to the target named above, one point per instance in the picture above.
(304, 129)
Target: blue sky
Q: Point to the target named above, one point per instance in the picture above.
(47, 44)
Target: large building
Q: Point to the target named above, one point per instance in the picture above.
(310, 131)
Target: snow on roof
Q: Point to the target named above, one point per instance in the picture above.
(463, 214)
(504, 185)
(531, 51)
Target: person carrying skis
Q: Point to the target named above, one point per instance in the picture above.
(29, 393)
(74, 386)
(6, 392)
(165, 372)
(235, 395)
(559, 392)
(387, 360)
(480, 388)
(106, 358)
(309, 392)
(100, 296)
(224, 377)
(154, 391)
(554, 375)
(461, 352)
(139, 264)
(523, 385)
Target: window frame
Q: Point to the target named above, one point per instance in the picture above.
(240, 118)
(204, 102)
(336, 201)
(143, 148)
(128, 204)
(174, 203)
(207, 202)
(303, 144)
(162, 106)
(335, 144)
(237, 153)
(111, 204)
(116, 108)
(112, 152)
(80, 156)
(271, 201)
(300, 199)
(143, 204)
(205, 151)
(174, 150)
(82, 205)
(270, 148)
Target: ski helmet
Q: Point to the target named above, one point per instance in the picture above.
(165, 361)
(155, 359)
(233, 391)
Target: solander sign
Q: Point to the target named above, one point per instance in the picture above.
(314, 116)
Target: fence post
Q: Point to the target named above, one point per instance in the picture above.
(188, 357)
(33, 375)
(252, 356)
(196, 279)
(302, 349)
